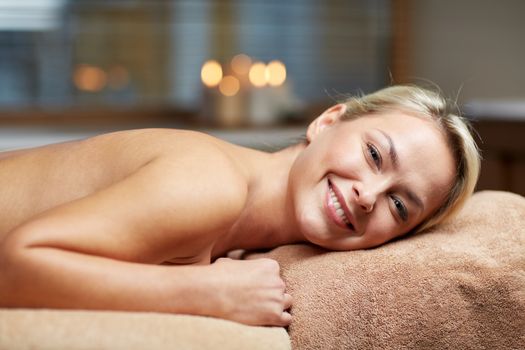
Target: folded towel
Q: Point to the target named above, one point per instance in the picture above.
(459, 286)
(75, 330)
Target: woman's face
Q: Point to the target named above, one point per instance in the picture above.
(363, 182)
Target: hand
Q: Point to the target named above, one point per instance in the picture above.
(251, 292)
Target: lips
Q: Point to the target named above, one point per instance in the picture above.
(337, 208)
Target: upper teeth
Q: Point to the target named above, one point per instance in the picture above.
(338, 208)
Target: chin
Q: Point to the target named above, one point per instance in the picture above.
(315, 231)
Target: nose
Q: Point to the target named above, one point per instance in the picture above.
(365, 197)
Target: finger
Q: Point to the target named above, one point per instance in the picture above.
(287, 301)
(237, 254)
(272, 263)
(285, 320)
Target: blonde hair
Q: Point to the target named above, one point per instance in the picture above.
(430, 105)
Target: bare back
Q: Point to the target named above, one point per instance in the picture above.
(39, 179)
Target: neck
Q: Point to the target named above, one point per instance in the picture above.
(267, 219)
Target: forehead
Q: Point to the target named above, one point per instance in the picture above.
(400, 123)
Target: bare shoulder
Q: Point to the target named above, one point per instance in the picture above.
(202, 172)
(191, 177)
(76, 169)
(176, 204)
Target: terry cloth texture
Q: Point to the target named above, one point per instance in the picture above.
(75, 330)
(459, 286)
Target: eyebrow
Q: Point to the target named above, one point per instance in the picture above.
(392, 152)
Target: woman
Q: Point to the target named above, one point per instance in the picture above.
(137, 220)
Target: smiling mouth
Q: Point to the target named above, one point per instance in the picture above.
(336, 209)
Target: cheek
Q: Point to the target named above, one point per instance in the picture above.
(347, 164)
(309, 161)
(304, 190)
(346, 154)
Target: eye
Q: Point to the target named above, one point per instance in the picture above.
(400, 208)
(374, 155)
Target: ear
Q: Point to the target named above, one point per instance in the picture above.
(329, 117)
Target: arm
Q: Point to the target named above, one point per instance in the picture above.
(58, 278)
(91, 253)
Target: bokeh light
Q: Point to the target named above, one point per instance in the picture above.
(275, 73)
(229, 85)
(89, 78)
(241, 64)
(211, 73)
(257, 74)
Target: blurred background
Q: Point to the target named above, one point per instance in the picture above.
(255, 72)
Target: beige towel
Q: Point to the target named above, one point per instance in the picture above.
(72, 330)
(461, 286)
